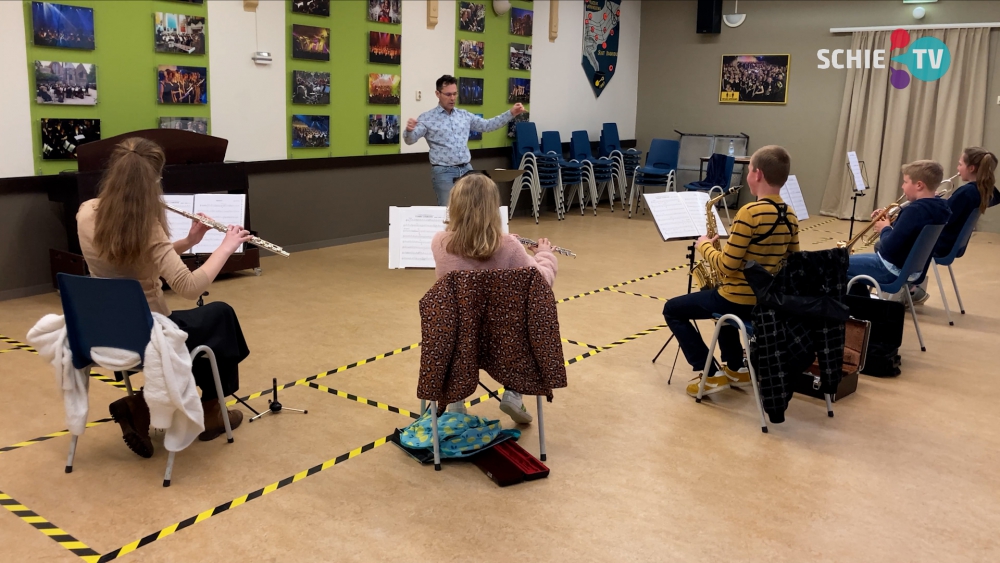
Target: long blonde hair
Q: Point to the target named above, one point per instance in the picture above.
(130, 209)
(986, 167)
(474, 218)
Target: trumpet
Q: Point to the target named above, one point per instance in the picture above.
(890, 212)
(563, 251)
(256, 241)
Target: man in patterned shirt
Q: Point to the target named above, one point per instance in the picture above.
(447, 132)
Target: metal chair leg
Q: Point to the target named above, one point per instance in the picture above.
(435, 437)
(829, 405)
(72, 453)
(944, 299)
(170, 469)
(753, 375)
(913, 312)
(541, 428)
(128, 384)
(955, 285)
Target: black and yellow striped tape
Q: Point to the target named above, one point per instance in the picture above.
(820, 224)
(16, 345)
(188, 522)
(364, 401)
(578, 343)
(614, 344)
(612, 287)
(40, 439)
(54, 532)
(120, 385)
(641, 295)
(485, 397)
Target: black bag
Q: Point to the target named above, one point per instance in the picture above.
(886, 335)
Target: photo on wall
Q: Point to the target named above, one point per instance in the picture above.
(754, 79)
(193, 124)
(472, 17)
(471, 54)
(61, 137)
(182, 84)
(520, 56)
(311, 7)
(521, 21)
(310, 87)
(470, 91)
(383, 129)
(191, 1)
(383, 89)
(310, 131)
(524, 116)
(385, 11)
(58, 25)
(476, 135)
(518, 90)
(311, 43)
(385, 48)
(177, 33)
(73, 84)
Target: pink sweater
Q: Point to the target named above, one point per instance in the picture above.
(510, 255)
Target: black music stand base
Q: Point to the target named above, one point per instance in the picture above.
(854, 209)
(274, 407)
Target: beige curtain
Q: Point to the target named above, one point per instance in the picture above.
(889, 127)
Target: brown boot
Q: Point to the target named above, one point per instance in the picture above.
(213, 420)
(132, 414)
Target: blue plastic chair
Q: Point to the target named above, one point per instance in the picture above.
(626, 160)
(957, 251)
(914, 266)
(544, 169)
(570, 173)
(597, 171)
(660, 171)
(718, 175)
(114, 313)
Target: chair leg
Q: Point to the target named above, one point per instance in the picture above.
(955, 285)
(753, 376)
(72, 453)
(423, 406)
(913, 312)
(128, 384)
(170, 468)
(829, 405)
(434, 436)
(944, 299)
(541, 429)
(218, 387)
(708, 362)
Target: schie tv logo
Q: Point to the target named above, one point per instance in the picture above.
(927, 58)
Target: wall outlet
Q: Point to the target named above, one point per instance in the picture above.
(418, 96)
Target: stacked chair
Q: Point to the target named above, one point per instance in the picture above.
(627, 160)
(541, 170)
(597, 171)
(660, 171)
(570, 173)
(718, 175)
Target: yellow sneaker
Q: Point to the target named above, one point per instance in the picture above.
(739, 378)
(713, 384)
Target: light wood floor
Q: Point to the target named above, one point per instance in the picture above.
(906, 471)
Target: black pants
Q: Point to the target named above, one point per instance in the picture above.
(215, 325)
(681, 310)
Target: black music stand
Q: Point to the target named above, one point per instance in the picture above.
(858, 192)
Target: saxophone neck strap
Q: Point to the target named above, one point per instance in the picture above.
(782, 209)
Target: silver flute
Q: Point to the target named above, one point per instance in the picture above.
(256, 241)
(563, 251)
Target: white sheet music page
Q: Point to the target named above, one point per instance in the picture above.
(859, 180)
(179, 225)
(411, 231)
(228, 209)
(696, 203)
(792, 195)
(670, 215)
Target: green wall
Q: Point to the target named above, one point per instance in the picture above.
(126, 71)
(496, 67)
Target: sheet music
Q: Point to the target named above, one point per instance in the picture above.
(696, 203)
(179, 225)
(680, 215)
(859, 180)
(411, 230)
(792, 195)
(228, 209)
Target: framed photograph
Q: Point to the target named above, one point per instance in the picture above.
(310, 87)
(471, 54)
(310, 131)
(383, 129)
(470, 91)
(383, 89)
(520, 56)
(384, 48)
(177, 33)
(521, 21)
(182, 84)
(193, 124)
(524, 116)
(310, 43)
(72, 84)
(754, 79)
(191, 1)
(471, 17)
(385, 11)
(311, 7)
(61, 137)
(476, 135)
(58, 25)
(518, 90)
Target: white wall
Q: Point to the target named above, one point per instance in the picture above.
(15, 97)
(561, 97)
(427, 54)
(248, 100)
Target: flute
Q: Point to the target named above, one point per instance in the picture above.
(563, 251)
(256, 241)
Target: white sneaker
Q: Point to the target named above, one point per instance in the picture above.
(457, 408)
(514, 407)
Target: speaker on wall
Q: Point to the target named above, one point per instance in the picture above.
(709, 16)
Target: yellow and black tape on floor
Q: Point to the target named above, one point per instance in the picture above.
(641, 295)
(110, 380)
(578, 343)
(615, 344)
(54, 532)
(188, 522)
(16, 345)
(41, 439)
(612, 287)
(820, 224)
(364, 401)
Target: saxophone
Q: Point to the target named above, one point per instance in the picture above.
(702, 271)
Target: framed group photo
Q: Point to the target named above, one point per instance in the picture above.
(754, 79)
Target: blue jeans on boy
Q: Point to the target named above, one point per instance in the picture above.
(443, 178)
(680, 311)
(870, 265)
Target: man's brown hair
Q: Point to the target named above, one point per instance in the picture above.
(927, 171)
(773, 161)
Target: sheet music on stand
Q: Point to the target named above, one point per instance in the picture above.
(228, 209)
(681, 215)
(855, 166)
(411, 230)
(792, 195)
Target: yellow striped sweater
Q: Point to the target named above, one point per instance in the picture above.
(751, 221)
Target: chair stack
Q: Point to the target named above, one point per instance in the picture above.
(627, 160)
(660, 171)
(541, 170)
(570, 173)
(599, 172)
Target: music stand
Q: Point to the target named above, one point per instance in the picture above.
(859, 191)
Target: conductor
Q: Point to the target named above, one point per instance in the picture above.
(447, 132)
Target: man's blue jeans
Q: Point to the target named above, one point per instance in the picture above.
(443, 178)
